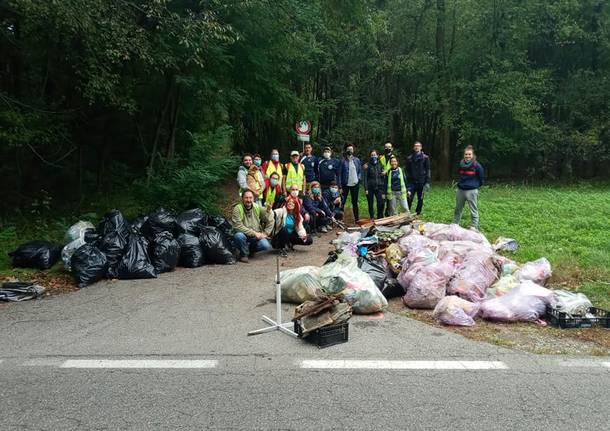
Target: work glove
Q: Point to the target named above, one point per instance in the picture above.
(426, 187)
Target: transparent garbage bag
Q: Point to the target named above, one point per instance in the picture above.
(526, 302)
(538, 271)
(453, 232)
(77, 231)
(426, 284)
(473, 277)
(300, 284)
(68, 251)
(455, 311)
(572, 303)
(505, 284)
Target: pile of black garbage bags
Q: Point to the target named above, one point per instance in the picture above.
(143, 248)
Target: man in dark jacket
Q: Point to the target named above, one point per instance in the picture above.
(349, 178)
(328, 169)
(310, 162)
(332, 197)
(373, 182)
(418, 176)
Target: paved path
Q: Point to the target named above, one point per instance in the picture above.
(172, 353)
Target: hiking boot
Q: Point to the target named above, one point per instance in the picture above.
(324, 229)
(244, 259)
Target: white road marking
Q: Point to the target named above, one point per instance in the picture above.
(403, 365)
(138, 363)
(42, 362)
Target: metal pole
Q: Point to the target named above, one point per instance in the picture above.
(278, 291)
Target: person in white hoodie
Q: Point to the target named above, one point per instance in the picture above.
(288, 228)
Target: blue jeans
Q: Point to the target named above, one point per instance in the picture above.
(249, 244)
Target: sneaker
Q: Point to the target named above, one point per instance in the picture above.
(283, 253)
(244, 259)
(324, 229)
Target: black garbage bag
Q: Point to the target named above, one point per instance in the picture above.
(164, 252)
(216, 246)
(190, 221)
(332, 257)
(191, 253)
(91, 236)
(17, 291)
(113, 245)
(138, 222)
(88, 265)
(159, 221)
(136, 262)
(221, 223)
(113, 221)
(36, 254)
(373, 266)
(392, 289)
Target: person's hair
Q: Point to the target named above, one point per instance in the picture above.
(333, 183)
(274, 173)
(374, 151)
(296, 213)
(246, 155)
(256, 155)
(312, 185)
(327, 149)
(471, 148)
(348, 144)
(275, 149)
(247, 191)
(417, 142)
(388, 143)
(308, 143)
(394, 158)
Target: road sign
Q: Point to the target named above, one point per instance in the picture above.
(303, 138)
(303, 127)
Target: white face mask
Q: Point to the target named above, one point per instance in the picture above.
(327, 155)
(294, 193)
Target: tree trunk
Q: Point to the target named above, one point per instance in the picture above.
(173, 125)
(444, 143)
(153, 154)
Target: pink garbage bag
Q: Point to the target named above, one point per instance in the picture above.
(526, 302)
(455, 311)
(426, 284)
(474, 276)
(538, 271)
(453, 232)
(414, 241)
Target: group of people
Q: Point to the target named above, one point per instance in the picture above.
(283, 205)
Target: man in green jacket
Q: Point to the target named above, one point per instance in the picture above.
(252, 226)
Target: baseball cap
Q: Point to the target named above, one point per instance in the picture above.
(294, 153)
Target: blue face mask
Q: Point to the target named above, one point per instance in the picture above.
(374, 159)
(258, 162)
(334, 190)
(316, 190)
(273, 182)
(275, 157)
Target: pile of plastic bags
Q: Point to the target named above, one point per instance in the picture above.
(143, 248)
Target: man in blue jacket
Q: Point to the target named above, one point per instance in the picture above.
(310, 162)
(470, 181)
(418, 176)
(349, 178)
(328, 169)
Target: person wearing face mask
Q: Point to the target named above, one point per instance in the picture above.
(273, 197)
(374, 183)
(295, 173)
(273, 165)
(310, 162)
(418, 176)
(328, 169)
(396, 188)
(242, 172)
(252, 227)
(349, 178)
(469, 182)
(288, 228)
(255, 180)
(332, 197)
(294, 192)
(319, 213)
(384, 160)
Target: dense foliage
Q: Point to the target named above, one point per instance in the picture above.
(97, 96)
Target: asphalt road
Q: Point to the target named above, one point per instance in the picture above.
(172, 353)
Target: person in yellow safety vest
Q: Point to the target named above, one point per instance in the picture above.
(273, 197)
(396, 188)
(295, 173)
(273, 165)
(384, 160)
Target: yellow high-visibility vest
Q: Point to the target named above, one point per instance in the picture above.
(270, 195)
(403, 186)
(385, 164)
(295, 177)
(271, 168)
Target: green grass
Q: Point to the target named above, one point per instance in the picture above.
(569, 225)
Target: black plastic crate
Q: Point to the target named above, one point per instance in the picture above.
(563, 320)
(326, 336)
